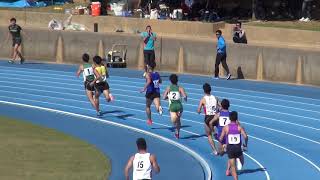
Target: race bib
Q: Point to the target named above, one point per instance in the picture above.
(156, 84)
(223, 121)
(140, 166)
(174, 95)
(234, 138)
(88, 72)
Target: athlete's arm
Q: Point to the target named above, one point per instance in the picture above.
(183, 92)
(147, 83)
(154, 163)
(97, 75)
(201, 103)
(224, 132)
(244, 135)
(128, 167)
(165, 94)
(80, 69)
(160, 80)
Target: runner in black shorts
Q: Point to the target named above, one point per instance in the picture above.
(15, 32)
(152, 88)
(89, 74)
(210, 105)
(233, 133)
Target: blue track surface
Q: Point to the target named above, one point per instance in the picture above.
(282, 120)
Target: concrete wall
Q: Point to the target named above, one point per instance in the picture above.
(176, 55)
(111, 23)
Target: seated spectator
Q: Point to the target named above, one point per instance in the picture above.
(239, 35)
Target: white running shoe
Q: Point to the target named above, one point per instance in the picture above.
(239, 164)
(144, 74)
(306, 20)
(302, 19)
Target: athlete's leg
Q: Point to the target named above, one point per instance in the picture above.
(15, 51)
(90, 96)
(148, 110)
(210, 140)
(178, 123)
(96, 99)
(157, 103)
(233, 168)
(106, 94)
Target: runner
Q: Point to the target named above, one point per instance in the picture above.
(210, 105)
(100, 81)
(89, 74)
(152, 88)
(15, 31)
(143, 163)
(233, 133)
(220, 120)
(173, 93)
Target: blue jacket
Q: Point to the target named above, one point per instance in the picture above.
(221, 46)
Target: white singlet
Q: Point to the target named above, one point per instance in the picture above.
(211, 105)
(142, 166)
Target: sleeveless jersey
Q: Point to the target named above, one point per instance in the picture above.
(210, 107)
(88, 74)
(154, 86)
(142, 166)
(174, 95)
(102, 70)
(233, 136)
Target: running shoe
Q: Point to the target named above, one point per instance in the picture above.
(144, 74)
(22, 60)
(216, 77)
(11, 61)
(149, 122)
(160, 111)
(177, 135)
(111, 97)
(228, 76)
(99, 113)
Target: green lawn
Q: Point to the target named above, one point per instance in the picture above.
(30, 152)
(311, 26)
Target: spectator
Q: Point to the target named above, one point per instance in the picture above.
(239, 35)
(306, 10)
(148, 40)
(221, 56)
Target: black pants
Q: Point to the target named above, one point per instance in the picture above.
(306, 8)
(221, 58)
(149, 58)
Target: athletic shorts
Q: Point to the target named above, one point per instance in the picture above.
(234, 151)
(87, 86)
(102, 86)
(208, 118)
(16, 41)
(150, 97)
(176, 107)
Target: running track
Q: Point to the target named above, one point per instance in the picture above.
(281, 120)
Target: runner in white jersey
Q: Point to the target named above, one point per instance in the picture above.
(210, 105)
(142, 163)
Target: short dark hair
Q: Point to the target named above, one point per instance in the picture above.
(85, 57)
(174, 79)
(148, 26)
(206, 88)
(13, 19)
(225, 104)
(233, 116)
(219, 31)
(97, 59)
(141, 144)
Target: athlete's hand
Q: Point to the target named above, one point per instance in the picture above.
(142, 90)
(244, 148)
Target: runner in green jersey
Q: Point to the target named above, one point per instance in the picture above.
(89, 73)
(174, 92)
